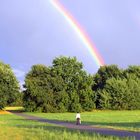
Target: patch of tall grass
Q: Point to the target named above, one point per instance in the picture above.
(13, 133)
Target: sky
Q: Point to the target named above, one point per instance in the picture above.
(34, 32)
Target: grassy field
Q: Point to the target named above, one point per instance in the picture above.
(124, 120)
(13, 127)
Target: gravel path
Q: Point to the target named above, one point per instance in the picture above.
(104, 131)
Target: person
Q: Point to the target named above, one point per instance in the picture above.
(78, 119)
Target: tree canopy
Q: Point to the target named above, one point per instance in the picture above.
(66, 86)
(9, 87)
(116, 88)
(63, 87)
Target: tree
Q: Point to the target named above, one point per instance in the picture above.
(104, 73)
(118, 90)
(120, 94)
(77, 83)
(133, 95)
(45, 91)
(133, 71)
(9, 87)
(63, 87)
(38, 94)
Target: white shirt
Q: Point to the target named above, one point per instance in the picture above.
(77, 115)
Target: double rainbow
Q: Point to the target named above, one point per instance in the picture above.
(80, 32)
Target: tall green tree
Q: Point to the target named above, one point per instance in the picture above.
(45, 90)
(9, 86)
(120, 94)
(133, 71)
(63, 87)
(104, 73)
(38, 94)
(117, 90)
(78, 83)
(100, 78)
(133, 94)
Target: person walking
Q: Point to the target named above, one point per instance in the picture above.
(78, 119)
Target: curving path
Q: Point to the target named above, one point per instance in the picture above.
(104, 131)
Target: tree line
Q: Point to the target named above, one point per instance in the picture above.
(67, 87)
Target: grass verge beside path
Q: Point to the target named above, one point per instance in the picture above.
(4, 112)
(124, 120)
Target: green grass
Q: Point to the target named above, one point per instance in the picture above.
(20, 108)
(124, 120)
(13, 127)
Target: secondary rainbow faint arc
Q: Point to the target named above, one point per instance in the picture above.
(80, 32)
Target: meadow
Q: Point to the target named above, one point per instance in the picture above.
(13, 127)
(124, 120)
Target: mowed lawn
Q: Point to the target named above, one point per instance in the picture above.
(125, 120)
(13, 127)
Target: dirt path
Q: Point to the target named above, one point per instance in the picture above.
(104, 131)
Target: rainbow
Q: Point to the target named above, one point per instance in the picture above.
(80, 32)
